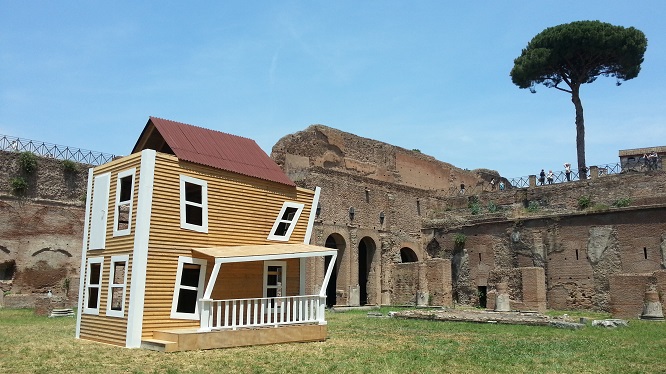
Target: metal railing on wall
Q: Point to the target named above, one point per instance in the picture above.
(61, 152)
(560, 176)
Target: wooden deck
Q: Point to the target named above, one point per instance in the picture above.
(176, 340)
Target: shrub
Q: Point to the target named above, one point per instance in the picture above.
(70, 166)
(459, 239)
(475, 208)
(620, 203)
(584, 202)
(533, 207)
(492, 207)
(19, 185)
(28, 162)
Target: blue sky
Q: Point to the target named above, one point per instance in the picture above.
(428, 75)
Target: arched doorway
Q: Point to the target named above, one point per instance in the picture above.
(333, 241)
(366, 252)
(408, 255)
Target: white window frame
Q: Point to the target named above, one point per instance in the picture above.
(129, 203)
(182, 260)
(283, 286)
(86, 309)
(292, 223)
(111, 312)
(204, 204)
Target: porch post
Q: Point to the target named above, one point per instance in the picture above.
(206, 302)
(321, 300)
(205, 309)
(327, 277)
(212, 280)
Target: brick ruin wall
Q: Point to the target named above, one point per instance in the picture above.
(377, 180)
(40, 231)
(577, 250)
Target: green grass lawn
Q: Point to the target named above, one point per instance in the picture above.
(356, 344)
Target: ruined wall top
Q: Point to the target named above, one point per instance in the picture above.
(329, 148)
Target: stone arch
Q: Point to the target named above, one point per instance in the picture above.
(334, 240)
(408, 255)
(7, 270)
(434, 249)
(367, 271)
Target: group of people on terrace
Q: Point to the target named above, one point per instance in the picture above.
(651, 159)
(550, 176)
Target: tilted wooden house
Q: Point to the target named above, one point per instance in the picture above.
(197, 240)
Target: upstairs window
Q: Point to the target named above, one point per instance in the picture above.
(93, 285)
(286, 221)
(117, 280)
(193, 204)
(124, 200)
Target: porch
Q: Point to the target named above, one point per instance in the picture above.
(177, 340)
(275, 318)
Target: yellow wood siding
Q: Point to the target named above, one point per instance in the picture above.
(241, 211)
(100, 327)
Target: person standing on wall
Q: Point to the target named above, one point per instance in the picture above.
(567, 171)
(550, 177)
(542, 177)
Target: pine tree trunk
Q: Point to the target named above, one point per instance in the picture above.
(580, 131)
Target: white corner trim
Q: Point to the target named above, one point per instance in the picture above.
(84, 250)
(313, 214)
(140, 254)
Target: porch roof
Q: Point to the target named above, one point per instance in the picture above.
(263, 252)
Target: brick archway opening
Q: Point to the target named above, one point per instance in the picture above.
(408, 255)
(338, 242)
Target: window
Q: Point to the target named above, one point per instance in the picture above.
(193, 204)
(115, 304)
(124, 198)
(93, 285)
(286, 221)
(275, 282)
(98, 215)
(188, 288)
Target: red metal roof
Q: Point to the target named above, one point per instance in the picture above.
(215, 149)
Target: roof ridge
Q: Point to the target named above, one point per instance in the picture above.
(202, 128)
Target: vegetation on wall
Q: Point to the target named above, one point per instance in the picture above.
(70, 166)
(474, 205)
(459, 239)
(621, 203)
(584, 202)
(19, 185)
(533, 206)
(27, 162)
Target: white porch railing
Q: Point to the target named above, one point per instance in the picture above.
(263, 311)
